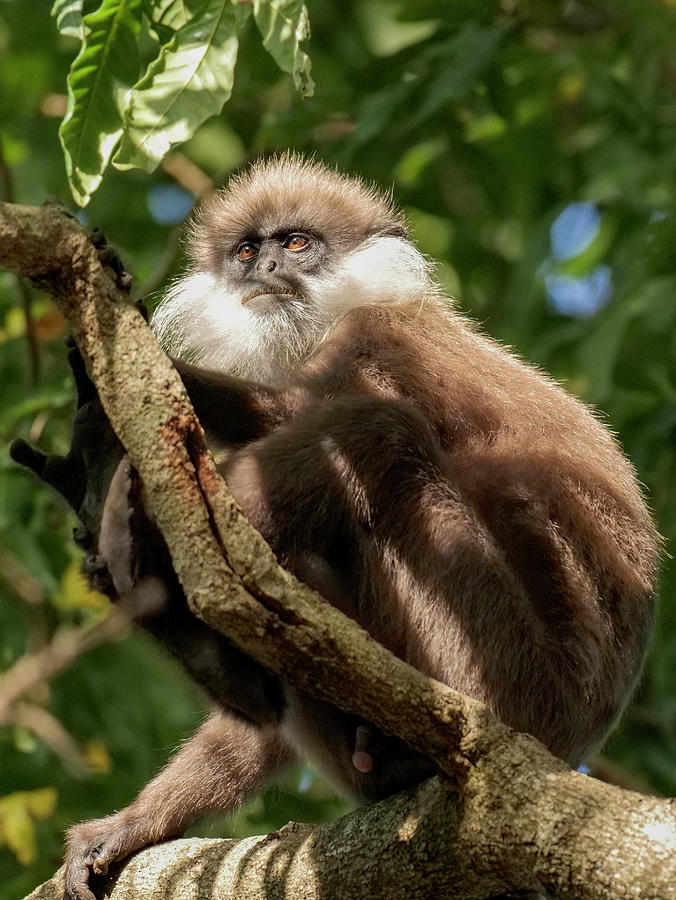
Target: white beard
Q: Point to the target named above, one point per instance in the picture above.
(200, 321)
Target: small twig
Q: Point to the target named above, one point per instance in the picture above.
(66, 645)
(23, 584)
(51, 732)
(188, 175)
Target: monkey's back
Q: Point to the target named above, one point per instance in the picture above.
(473, 516)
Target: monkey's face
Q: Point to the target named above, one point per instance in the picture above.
(278, 258)
(273, 297)
(270, 269)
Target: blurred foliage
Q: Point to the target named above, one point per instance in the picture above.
(491, 119)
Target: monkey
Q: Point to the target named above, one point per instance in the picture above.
(470, 514)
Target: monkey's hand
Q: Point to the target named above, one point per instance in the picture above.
(83, 476)
(94, 845)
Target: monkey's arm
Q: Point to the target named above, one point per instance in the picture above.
(230, 408)
(224, 762)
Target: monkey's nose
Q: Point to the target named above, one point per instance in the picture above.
(268, 266)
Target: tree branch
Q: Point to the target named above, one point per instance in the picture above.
(524, 816)
(413, 845)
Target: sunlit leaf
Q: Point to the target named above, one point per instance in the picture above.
(18, 812)
(386, 33)
(68, 15)
(189, 82)
(97, 756)
(284, 25)
(103, 71)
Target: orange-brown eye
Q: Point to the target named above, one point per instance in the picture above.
(296, 242)
(246, 251)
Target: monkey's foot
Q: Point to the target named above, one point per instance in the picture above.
(93, 846)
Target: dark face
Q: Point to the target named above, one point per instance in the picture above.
(268, 266)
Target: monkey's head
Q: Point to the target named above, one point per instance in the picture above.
(277, 258)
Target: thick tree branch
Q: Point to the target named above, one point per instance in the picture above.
(414, 845)
(524, 815)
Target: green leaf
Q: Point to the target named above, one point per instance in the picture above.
(189, 81)
(68, 15)
(379, 109)
(284, 24)
(466, 56)
(100, 77)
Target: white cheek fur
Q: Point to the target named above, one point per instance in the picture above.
(201, 321)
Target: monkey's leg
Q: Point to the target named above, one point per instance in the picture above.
(214, 771)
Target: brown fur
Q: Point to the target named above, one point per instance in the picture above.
(504, 543)
(470, 514)
(291, 192)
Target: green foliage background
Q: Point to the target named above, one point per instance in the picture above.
(489, 119)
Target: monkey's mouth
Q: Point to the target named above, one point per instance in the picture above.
(274, 292)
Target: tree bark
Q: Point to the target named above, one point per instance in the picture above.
(508, 811)
(432, 842)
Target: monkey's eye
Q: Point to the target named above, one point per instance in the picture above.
(246, 251)
(296, 242)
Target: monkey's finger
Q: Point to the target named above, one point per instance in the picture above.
(100, 866)
(66, 474)
(77, 883)
(77, 877)
(27, 456)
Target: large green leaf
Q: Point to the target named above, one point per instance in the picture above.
(100, 78)
(189, 81)
(284, 24)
